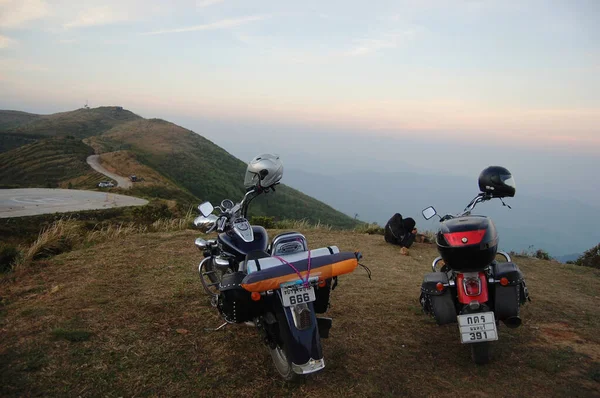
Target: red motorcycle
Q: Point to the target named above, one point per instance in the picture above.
(471, 287)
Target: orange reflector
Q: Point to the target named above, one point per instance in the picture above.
(439, 286)
(504, 281)
(255, 296)
(322, 283)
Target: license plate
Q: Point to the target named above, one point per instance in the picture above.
(295, 295)
(475, 328)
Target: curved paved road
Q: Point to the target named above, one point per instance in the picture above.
(94, 162)
(34, 201)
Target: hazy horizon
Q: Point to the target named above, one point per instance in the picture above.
(441, 88)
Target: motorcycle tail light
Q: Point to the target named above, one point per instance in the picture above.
(472, 286)
(439, 286)
(504, 281)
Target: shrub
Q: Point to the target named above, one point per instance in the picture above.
(371, 229)
(264, 221)
(151, 213)
(542, 254)
(590, 258)
(532, 252)
(9, 255)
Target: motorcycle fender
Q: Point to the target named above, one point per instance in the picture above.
(302, 339)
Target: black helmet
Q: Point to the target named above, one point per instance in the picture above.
(497, 181)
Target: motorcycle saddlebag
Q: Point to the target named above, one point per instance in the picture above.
(234, 301)
(508, 299)
(321, 304)
(439, 304)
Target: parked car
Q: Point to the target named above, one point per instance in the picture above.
(106, 184)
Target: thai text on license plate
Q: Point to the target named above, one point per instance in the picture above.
(475, 328)
(297, 294)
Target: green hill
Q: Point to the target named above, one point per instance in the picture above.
(49, 163)
(79, 123)
(193, 169)
(12, 119)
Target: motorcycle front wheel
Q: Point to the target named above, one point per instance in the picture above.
(480, 353)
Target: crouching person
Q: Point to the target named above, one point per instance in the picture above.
(399, 231)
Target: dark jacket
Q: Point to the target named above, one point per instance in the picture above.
(398, 231)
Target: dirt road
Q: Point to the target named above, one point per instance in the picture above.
(122, 182)
(33, 201)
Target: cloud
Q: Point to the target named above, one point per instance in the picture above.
(97, 16)
(222, 24)
(368, 46)
(68, 41)
(15, 13)
(207, 3)
(6, 42)
(17, 65)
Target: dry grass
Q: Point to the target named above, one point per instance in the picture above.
(125, 163)
(174, 224)
(67, 234)
(127, 318)
(61, 236)
(303, 224)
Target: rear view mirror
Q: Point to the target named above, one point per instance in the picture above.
(206, 209)
(429, 212)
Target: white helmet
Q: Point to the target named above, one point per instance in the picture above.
(264, 171)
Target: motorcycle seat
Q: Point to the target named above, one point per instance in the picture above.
(254, 255)
(250, 265)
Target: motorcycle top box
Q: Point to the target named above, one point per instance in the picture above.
(467, 243)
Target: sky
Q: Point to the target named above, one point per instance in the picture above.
(444, 86)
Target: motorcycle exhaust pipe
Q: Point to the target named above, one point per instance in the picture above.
(513, 322)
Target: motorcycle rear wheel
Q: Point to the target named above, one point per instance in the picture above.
(280, 356)
(480, 353)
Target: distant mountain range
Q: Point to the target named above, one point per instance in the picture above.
(50, 151)
(557, 226)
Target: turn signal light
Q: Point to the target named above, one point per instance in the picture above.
(439, 286)
(504, 281)
(255, 296)
(322, 283)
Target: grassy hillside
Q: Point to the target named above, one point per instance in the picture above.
(176, 163)
(207, 171)
(12, 119)
(128, 319)
(79, 123)
(51, 162)
(12, 141)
